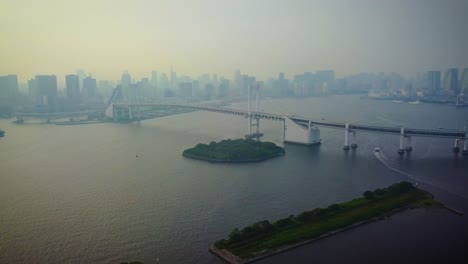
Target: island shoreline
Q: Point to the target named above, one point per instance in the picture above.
(230, 258)
(250, 244)
(195, 157)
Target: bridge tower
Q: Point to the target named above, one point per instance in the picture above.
(253, 116)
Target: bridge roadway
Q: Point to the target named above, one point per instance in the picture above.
(56, 115)
(304, 121)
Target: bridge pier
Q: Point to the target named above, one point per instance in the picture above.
(346, 146)
(130, 116)
(19, 120)
(401, 150)
(408, 147)
(354, 144)
(456, 148)
(465, 145)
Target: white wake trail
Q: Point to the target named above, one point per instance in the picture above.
(388, 163)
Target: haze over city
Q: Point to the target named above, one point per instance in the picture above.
(157, 131)
(259, 37)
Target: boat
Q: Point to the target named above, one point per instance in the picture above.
(414, 102)
(397, 101)
(377, 150)
(2, 133)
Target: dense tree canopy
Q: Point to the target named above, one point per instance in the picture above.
(238, 150)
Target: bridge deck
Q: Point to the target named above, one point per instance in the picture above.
(304, 121)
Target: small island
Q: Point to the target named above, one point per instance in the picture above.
(263, 239)
(238, 150)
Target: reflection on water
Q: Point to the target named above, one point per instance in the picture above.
(78, 193)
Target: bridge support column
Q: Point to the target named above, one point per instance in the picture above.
(354, 144)
(130, 112)
(138, 113)
(456, 148)
(465, 145)
(19, 120)
(401, 150)
(114, 114)
(257, 124)
(408, 147)
(346, 146)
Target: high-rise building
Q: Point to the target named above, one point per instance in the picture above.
(173, 79)
(325, 81)
(247, 81)
(280, 87)
(46, 86)
(32, 90)
(223, 88)
(154, 78)
(8, 86)
(72, 82)
(125, 83)
(89, 87)
(433, 82)
(154, 82)
(164, 81)
(451, 81)
(185, 89)
(237, 82)
(464, 82)
(209, 90)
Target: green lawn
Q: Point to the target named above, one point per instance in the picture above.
(264, 236)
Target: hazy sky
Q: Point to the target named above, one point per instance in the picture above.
(258, 37)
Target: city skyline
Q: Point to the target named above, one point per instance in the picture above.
(262, 37)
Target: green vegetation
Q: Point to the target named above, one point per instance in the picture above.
(238, 150)
(263, 237)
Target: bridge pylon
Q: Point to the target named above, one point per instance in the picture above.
(253, 116)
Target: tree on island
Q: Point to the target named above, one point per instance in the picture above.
(369, 195)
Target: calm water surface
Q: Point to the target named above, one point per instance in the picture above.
(79, 194)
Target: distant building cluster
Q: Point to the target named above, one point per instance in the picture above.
(81, 91)
(450, 85)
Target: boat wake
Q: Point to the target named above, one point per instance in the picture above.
(418, 180)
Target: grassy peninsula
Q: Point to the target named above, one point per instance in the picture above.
(264, 238)
(238, 150)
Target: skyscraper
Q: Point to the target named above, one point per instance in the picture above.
(325, 81)
(451, 81)
(72, 82)
(32, 91)
(464, 82)
(154, 83)
(433, 82)
(46, 86)
(89, 87)
(125, 83)
(280, 87)
(8, 86)
(173, 79)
